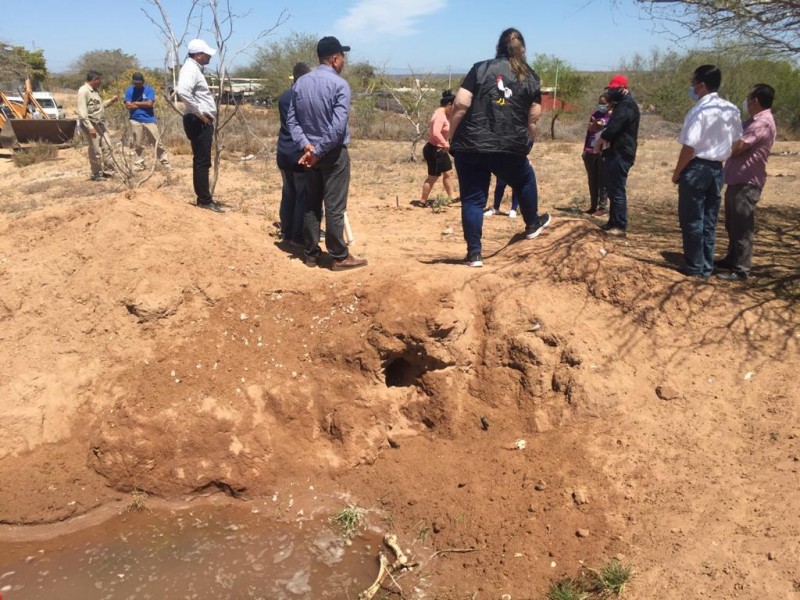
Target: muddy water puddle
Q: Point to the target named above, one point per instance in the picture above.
(209, 552)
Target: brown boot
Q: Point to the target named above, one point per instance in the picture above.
(351, 262)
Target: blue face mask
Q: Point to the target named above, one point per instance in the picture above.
(692, 94)
(603, 108)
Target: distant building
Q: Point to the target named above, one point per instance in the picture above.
(551, 101)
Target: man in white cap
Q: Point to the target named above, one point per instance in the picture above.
(199, 113)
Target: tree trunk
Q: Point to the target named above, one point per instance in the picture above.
(553, 124)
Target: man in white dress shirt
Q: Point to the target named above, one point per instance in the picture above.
(709, 131)
(199, 113)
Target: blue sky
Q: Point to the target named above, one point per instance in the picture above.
(429, 36)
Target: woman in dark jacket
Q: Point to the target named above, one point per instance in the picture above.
(493, 121)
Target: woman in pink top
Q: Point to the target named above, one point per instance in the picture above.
(435, 151)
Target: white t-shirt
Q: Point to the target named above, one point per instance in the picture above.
(711, 127)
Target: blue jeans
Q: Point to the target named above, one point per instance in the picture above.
(293, 204)
(474, 175)
(616, 172)
(698, 208)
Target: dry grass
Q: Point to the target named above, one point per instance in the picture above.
(33, 154)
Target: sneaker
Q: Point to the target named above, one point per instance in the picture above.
(533, 231)
(512, 214)
(590, 211)
(615, 232)
(723, 264)
(732, 276)
(97, 177)
(606, 226)
(350, 262)
(473, 260)
(311, 261)
(212, 206)
(488, 212)
(600, 213)
(106, 174)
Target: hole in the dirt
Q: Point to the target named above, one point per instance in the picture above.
(400, 372)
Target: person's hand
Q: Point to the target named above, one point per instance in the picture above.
(114, 98)
(676, 177)
(206, 119)
(93, 133)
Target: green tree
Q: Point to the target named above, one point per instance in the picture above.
(111, 63)
(568, 84)
(274, 62)
(17, 63)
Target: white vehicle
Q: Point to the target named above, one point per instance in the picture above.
(46, 100)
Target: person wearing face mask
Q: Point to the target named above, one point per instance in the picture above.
(317, 120)
(593, 158)
(745, 175)
(709, 131)
(621, 134)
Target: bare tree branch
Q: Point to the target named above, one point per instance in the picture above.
(774, 25)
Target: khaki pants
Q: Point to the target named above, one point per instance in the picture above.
(147, 133)
(100, 158)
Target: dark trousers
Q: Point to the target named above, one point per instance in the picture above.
(597, 187)
(328, 180)
(474, 175)
(294, 198)
(699, 198)
(616, 172)
(200, 135)
(740, 223)
(499, 192)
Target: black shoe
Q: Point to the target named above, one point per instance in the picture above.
(693, 275)
(723, 263)
(212, 206)
(311, 261)
(590, 211)
(732, 276)
(607, 226)
(473, 260)
(533, 231)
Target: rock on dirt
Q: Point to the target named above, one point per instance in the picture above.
(667, 392)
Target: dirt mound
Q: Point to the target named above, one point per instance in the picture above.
(574, 383)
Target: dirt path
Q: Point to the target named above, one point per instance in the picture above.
(152, 346)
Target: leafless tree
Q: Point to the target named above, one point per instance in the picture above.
(221, 24)
(413, 98)
(773, 25)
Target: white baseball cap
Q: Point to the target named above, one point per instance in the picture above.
(199, 45)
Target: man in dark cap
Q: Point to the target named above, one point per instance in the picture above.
(295, 182)
(140, 100)
(621, 133)
(317, 119)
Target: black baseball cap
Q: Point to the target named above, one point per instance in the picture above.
(329, 45)
(137, 77)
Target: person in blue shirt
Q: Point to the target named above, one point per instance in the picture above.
(139, 100)
(317, 119)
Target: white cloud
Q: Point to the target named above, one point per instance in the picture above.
(368, 20)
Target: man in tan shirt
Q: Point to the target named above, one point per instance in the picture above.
(91, 116)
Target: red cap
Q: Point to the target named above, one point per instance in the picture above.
(618, 81)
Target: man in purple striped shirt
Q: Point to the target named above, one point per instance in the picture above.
(317, 119)
(745, 176)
